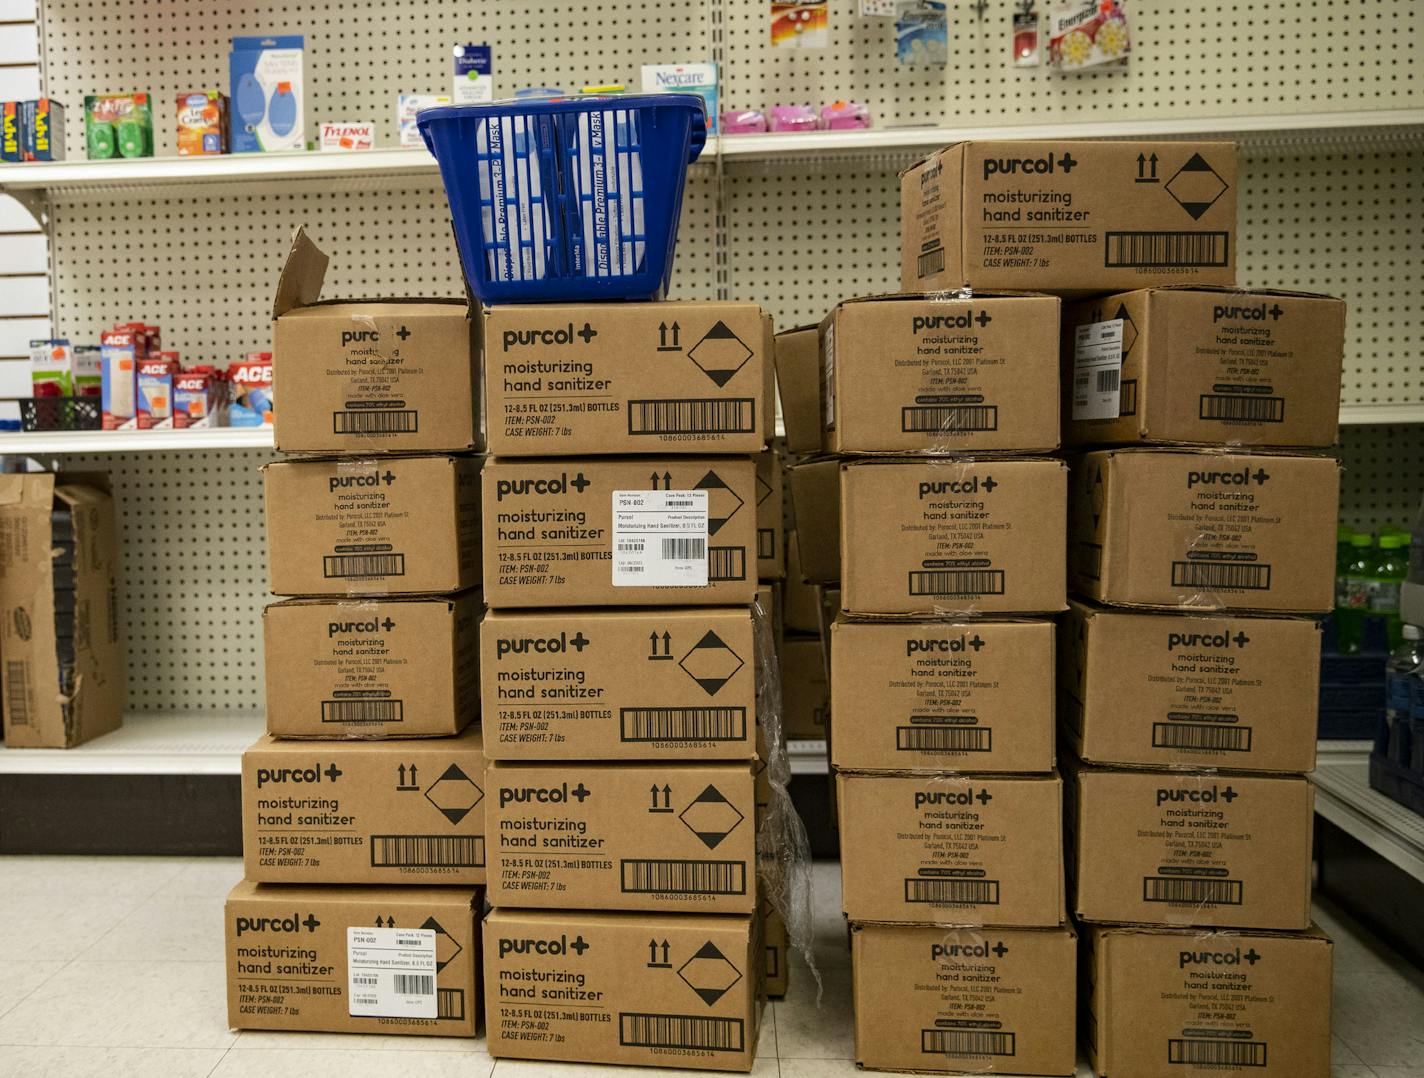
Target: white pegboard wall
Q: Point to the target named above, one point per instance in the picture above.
(1383, 480)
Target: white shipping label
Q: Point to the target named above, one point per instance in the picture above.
(659, 538)
(1097, 370)
(390, 973)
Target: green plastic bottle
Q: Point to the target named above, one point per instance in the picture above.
(1352, 605)
(1391, 567)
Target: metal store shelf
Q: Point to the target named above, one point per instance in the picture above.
(151, 744)
(43, 444)
(1343, 796)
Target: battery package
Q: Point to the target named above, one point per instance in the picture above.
(364, 525)
(619, 531)
(663, 837)
(630, 684)
(1204, 529)
(387, 812)
(660, 990)
(670, 377)
(915, 373)
(353, 959)
(372, 668)
(377, 375)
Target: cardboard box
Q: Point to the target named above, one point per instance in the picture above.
(371, 376)
(1214, 849)
(594, 531)
(908, 373)
(805, 690)
(798, 383)
(1162, 1004)
(776, 947)
(64, 673)
(771, 517)
(1069, 217)
(953, 536)
(1204, 365)
(650, 989)
(959, 1000)
(800, 605)
(952, 849)
(362, 526)
(581, 379)
(816, 501)
(330, 959)
(665, 837)
(942, 695)
(1205, 529)
(768, 378)
(1175, 690)
(664, 684)
(406, 812)
(372, 668)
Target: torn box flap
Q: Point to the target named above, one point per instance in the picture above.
(302, 275)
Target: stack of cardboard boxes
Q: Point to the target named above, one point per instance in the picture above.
(364, 805)
(619, 669)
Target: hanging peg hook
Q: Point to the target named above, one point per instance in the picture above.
(1026, 6)
(979, 7)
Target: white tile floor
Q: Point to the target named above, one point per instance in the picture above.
(112, 968)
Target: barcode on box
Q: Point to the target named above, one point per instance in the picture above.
(1194, 891)
(450, 1004)
(1221, 576)
(966, 1042)
(1206, 737)
(930, 262)
(773, 961)
(948, 418)
(375, 422)
(354, 566)
(684, 724)
(414, 984)
(362, 712)
(709, 416)
(1109, 381)
(674, 549)
(1243, 409)
(17, 691)
(726, 563)
(1217, 1053)
(956, 582)
(1148, 249)
(952, 892)
(649, 876)
(681, 1031)
(944, 738)
(427, 851)
(1127, 400)
(766, 543)
(357, 978)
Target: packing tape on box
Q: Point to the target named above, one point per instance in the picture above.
(783, 849)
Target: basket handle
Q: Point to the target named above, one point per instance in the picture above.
(699, 136)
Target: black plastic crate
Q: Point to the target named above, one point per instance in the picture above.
(60, 413)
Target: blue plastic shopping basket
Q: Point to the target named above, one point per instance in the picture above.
(566, 199)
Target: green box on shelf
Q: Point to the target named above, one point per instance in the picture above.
(118, 125)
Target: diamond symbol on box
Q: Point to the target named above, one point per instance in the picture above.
(720, 353)
(763, 489)
(1098, 498)
(711, 817)
(1129, 329)
(446, 948)
(1196, 186)
(711, 663)
(709, 973)
(454, 793)
(722, 501)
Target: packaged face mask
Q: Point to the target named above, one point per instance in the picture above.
(268, 97)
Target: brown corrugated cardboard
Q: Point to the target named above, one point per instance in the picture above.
(801, 607)
(776, 946)
(964, 1000)
(942, 695)
(798, 381)
(1204, 529)
(952, 849)
(1163, 1004)
(665, 684)
(1216, 849)
(1069, 217)
(665, 837)
(953, 536)
(357, 526)
(372, 668)
(579, 379)
(816, 502)
(771, 519)
(329, 959)
(652, 989)
(1204, 365)
(768, 378)
(553, 537)
(907, 373)
(1174, 690)
(61, 688)
(370, 376)
(805, 691)
(365, 811)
